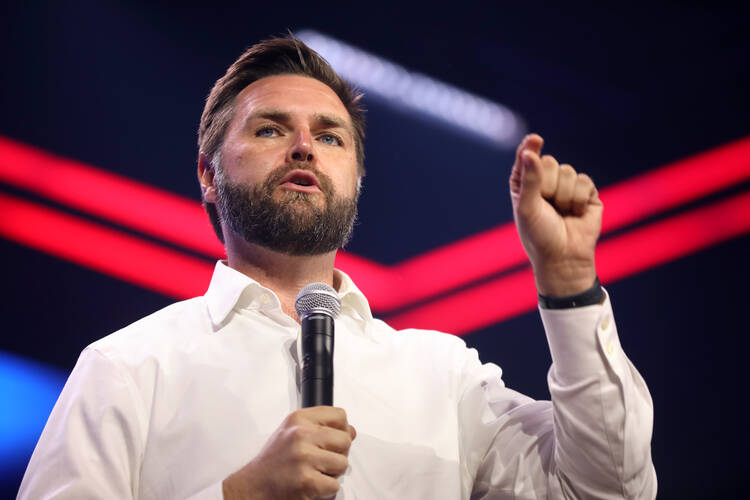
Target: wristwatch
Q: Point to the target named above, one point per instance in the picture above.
(594, 295)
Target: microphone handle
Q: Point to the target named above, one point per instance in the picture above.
(317, 360)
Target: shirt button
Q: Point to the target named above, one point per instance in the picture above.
(610, 348)
(265, 299)
(605, 322)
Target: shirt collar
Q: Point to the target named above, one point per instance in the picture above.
(227, 286)
(352, 297)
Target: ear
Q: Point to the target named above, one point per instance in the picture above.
(206, 179)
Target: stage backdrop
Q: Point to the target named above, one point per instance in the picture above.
(101, 222)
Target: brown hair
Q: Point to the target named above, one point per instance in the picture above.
(275, 56)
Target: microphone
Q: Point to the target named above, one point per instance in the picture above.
(317, 305)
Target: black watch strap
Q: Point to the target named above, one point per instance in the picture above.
(593, 295)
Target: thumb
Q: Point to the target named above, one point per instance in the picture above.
(531, 180)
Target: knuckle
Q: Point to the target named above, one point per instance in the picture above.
(347, 441)
(549, 162)
(298, 453)
(304, 455)
(301, 469)
(308, 483)
(585, 181)
(299, 432)
(567, 170)
(328, 487)
(294, 418)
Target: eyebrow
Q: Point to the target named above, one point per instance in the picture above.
(330, 121)
(269, 114)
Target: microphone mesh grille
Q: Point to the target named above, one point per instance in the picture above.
(317, 297)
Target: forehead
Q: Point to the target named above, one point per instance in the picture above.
(295, 94)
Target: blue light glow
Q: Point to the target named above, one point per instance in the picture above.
(28, 391)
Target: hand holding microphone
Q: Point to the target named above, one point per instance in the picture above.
(310, 449)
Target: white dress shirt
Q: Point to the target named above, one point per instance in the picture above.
(172, 404)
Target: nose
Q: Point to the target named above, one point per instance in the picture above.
(301, 148)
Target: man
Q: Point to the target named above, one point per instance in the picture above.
(200, 400)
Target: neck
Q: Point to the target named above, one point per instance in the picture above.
(285, 274)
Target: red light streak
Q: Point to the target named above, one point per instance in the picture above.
(110, 196)
(105, 250)
(617, 258)
(173, 274)
(499, 248)
(180, 220)
(673, 238)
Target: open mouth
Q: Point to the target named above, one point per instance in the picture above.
(301, 180)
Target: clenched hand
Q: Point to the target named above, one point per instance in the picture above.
(301, 459)
(558, 215)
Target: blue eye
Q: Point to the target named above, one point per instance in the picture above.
(331, 140)
(266, 132)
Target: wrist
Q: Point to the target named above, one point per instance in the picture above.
(233, 487)
(242, 485)
(564, 279)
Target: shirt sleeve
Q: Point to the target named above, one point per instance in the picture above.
(91, 446)
(593, 440)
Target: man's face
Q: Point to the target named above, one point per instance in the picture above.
(288, 176)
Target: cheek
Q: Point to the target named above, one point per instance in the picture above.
(349, 181)
(250, 165)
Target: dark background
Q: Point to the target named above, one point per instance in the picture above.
(616, 91)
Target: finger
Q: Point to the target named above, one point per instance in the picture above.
(550, 175)
(319, 485)
(533, 143)
(566, 185)
(352, 432)
(329, 462)
(332, 439)
(584, 191)
(530, 182)
(329, 416)
(594, 198)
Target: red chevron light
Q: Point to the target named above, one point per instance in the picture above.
(168, 272)
(181, 221)
(105, 250)
(617, 258)
(150, 210)
(493, 251)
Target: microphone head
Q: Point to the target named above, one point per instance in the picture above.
(317, 298)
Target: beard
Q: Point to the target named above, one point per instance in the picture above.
(294, 224)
